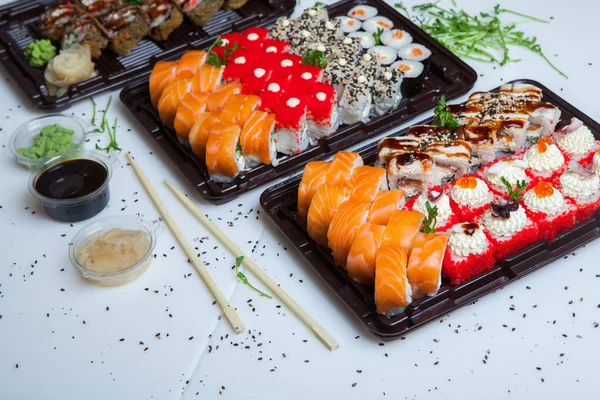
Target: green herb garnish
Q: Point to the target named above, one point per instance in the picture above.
(113, 139)
(402, 7)
(377, 36)
(431, 219)
(320, 4)
(93, 111)
(242, 277)
(444, 117)
(213, 57)
(480, 37)
(514, 193)
(102, 127)
(315, 58)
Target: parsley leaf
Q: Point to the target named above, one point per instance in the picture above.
(242, 277)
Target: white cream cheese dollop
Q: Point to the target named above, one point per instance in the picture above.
(546, 162)
(471, 197)
(550, 205)
(443, 205)
(579, 187)
(578, 142)
(513, 172)
(505, 227)
(464, 244)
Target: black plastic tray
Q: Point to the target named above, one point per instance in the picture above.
(19, 27)
(280, 203)
(448, 76)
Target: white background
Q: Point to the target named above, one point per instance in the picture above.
(547, 347)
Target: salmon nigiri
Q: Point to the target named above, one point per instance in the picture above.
(207, 79)
(190, 62)
(323, 207)
(344, 226)
(365, 182)
(425, 263)
(162, 74)
(218, 98)
(392, 291)
(200, 131)
(223, 161)
(386, 202)
(171, 99)
(313, 178)
(238, 109)
(402, 229)
(192, 105)
(257, 139)
(362, 256)
(342, 166)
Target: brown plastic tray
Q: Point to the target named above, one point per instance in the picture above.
(280, 203)
(448, 76)
(19, 27)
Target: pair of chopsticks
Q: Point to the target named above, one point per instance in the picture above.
(230, 313)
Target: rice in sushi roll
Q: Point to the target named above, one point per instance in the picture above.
(362, 12)
(374, 24)
(349, 24)
(290, 128)
(387, 91)
(386, 54)
(366, 39)
(410, 69)
(224, 159)
(396, 38)
(355, 103)
(322, 112)
(414, 52)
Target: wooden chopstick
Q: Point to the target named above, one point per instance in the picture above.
(230, 313)
(317, 329)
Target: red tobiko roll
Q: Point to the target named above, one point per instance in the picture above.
(230, 40)
(545, 160)
(514, 169)
(549, 210)
(470, 195)
(447, 216)
(273, 46)
(254, 38)
(241, 64)
(582, 186)
(292, 110)
(286, 65)
(307, 75)
(588, 160)
(256, 81)
(272, 92)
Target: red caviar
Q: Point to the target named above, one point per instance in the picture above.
(467, 182)
(543, 144)
(543, 189)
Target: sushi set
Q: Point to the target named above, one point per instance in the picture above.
(124, 38)
(446, 211)
(297, 92)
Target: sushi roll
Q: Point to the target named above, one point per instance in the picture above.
(229, 42)
(414, 74)
(342, 167)
(306, 76)
(54, 19)
(594, 162)
(374, 24)
(355, 103)
(256, 81)
(284, 29)
(387, 92)
(190, 62)
(366, 39)
(385, 54)
(126, 26)
(545, 159)
(362, 12)
(270, 97)
(163, 73)
(82, 30)
(199, 12)
(257, 141)
(207, 79)
(402, 229)
(254, 38)
(345, 224)
(224, 159)
(384, 205)
(286, 65)
(240, 65)
(424, 268)
(581, 185)
(396, 38)
(549, 210)
(411, 171)
(414, 52)
(192, 105)
(239, 108)
(290, 133)
(468, 253)
(392, 290)
(446, 217)
(481, 138)
(323, 207)
(339, 73)
(315, 13)
(366, 182)
(98, 8)
(349, 24)
(198, 136)
(218, 98)
(171, 98)
(511, 170)
(164, 18)
(322, 112)
(361, 261)
(471, 196)
(369, 65)
(576, 140)
(313, 177)
(276, 46)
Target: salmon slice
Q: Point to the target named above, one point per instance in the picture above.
(192, 105)
(343, 229)
(425, 263)
(362, 256)
(190, 63)
(402, 229)
(313, 178)
(207, 79)
(392, 291)
(171, 99)
(162, 74)
(386, 202)
(323, 207)
(218, 98)
(342, 166)
(221, 159)
(257, 141)
(200, 131)
(365, 182)
(238, 109)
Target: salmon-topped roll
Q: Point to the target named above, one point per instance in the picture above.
(171, 98)
(345, 224)
(365, 182)
(238, 109)
(218, 98)
(425, 263)
(190, 62)
(163, 73)
(257, 139)
(402, 229)
(392, 291)
(207, 79)
(313, 178)
(223, 158)
(323, 207)
(363, 253)
(192, 105)
(386, 202)
(199, 133)
(342, 166)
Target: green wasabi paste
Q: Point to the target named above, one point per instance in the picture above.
(39, 52)
(51, 140)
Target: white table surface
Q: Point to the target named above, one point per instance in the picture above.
(67, 344)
